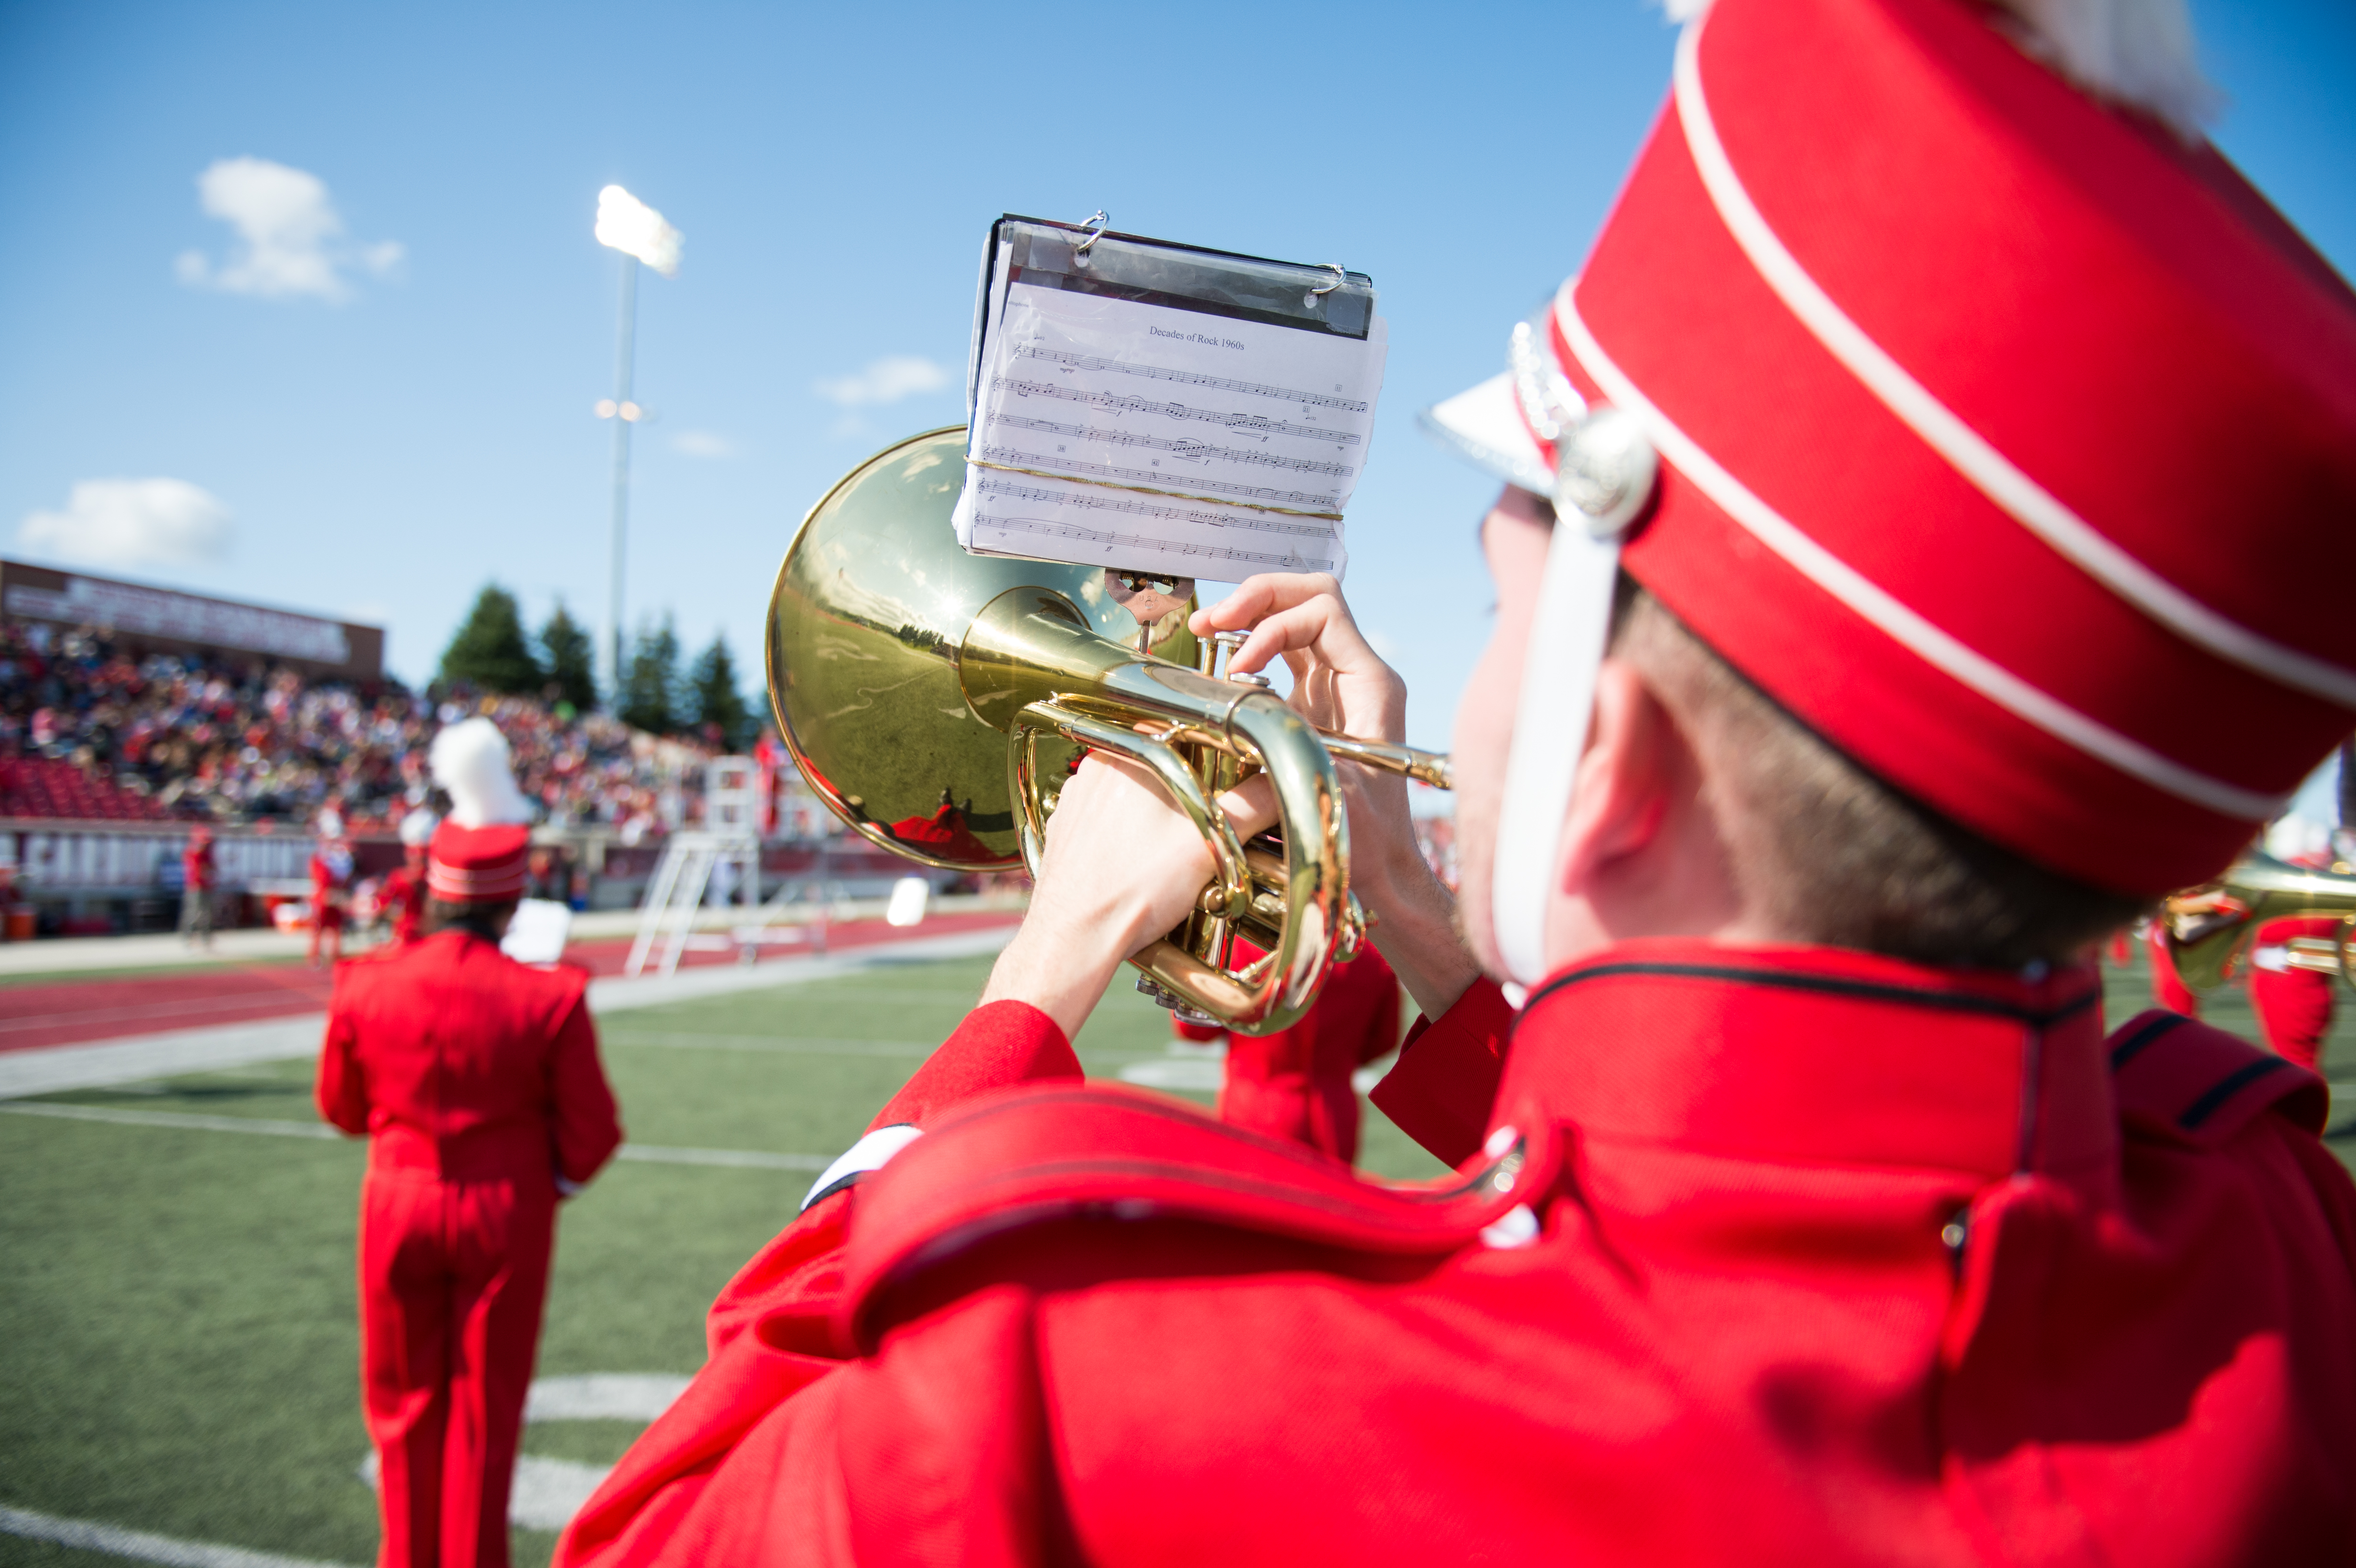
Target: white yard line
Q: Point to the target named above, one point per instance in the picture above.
(750, 1158)
(787, 1044)
(139, 1545)
(258, 1126)
(50, 1069)
(185, 1120)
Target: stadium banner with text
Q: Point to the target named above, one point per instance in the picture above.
(164, 620)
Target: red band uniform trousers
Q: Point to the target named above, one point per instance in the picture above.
(2167, 987)
(2294, 1006)
(478, 1082)
(1296, 1083)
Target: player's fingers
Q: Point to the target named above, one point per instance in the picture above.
(1265, 594)
(1319, 625)
(1250, 807)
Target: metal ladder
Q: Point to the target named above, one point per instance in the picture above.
(673, 898)
(684, 874)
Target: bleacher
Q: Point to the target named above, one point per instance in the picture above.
(41, 787)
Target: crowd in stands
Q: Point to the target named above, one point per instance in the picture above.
(88, 729)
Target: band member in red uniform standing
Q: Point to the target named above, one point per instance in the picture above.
(2167, 987)
(331, 888)
(478, 1083)
(2295, 1005)
(1298, 1083)
(1876, 627)
(404, 887)
(199, 874)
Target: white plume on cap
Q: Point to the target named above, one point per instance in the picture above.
(470, 760)
(417, 829)
(2136, 52)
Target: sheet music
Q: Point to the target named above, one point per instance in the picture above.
(1153, 437)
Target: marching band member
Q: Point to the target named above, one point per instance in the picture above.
(200, 870)
(1810, 1217)
(478, 1083)
(2167, 987)
(1299, 1084)
(2295, 1005)
(331, 888)
(404, 888)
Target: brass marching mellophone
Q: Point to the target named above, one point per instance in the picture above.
(935, 700)
(2209, 926)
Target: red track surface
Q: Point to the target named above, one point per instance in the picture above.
(85, 1012)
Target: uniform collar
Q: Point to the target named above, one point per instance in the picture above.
(1821, 1056)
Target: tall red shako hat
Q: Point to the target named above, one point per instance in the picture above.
(478, 852)
(1998, 424)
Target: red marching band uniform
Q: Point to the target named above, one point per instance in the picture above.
(1298, 1083)
(403, 899)
(1992, 420)
(477, 1081)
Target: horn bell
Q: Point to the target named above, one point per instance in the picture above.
(864, 639)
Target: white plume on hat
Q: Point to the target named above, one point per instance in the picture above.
(2136, 52)
(470, 760)
(417, 829)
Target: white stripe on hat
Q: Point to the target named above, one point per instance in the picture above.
(1965, 448)
(1879, 608)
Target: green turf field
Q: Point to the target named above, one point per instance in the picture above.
(180, 1354)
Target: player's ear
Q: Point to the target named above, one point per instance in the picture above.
(1625, 776)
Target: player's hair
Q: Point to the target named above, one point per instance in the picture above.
(1832, 854)
(485, 921)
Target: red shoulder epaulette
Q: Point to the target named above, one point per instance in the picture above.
(1028, 1156)
(2180, 1079)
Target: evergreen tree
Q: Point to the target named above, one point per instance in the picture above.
(649, 697)
(719, 706)
(489, 652)
(571, 659)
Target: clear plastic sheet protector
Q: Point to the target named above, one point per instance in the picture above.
(1162, 409)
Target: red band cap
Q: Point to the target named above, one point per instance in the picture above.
(2003, 435)
(478, 864)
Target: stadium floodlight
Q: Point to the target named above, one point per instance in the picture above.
(631, 227)
(628, 225)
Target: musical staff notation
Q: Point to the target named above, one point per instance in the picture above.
(1162, 434)
(1178, 446)
(1188, 378)
(1113, 402)
(1118, 543)
(1267, 495)
(1114, 503)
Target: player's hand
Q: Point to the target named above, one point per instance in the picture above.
(1341, 684)
(1123, 867)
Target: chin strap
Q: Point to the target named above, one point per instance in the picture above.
(1604, 473)
(1565, 651)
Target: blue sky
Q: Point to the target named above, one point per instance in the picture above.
(381, 453)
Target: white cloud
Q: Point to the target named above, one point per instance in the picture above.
(703, 443)
(886, 380)
(132, 523)
(291, 238)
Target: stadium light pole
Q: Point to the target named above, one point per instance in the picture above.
(628, 225)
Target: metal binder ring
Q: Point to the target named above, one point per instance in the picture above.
(1340, 277)
(1095, 234)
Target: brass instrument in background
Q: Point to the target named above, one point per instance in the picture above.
(2208, 927)
(937, 701)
